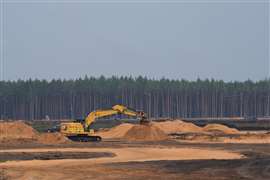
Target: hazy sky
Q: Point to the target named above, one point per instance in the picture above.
(226, 41)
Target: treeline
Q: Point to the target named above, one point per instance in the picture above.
(65, 99)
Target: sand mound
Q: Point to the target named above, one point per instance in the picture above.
(158, 130)
(52, 138)
(145, 133)
(135, 132)
(218, 128)
(116, 132)
(19, 131)
(16, 130)
(177, 126)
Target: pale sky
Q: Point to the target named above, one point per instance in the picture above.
(228, 41)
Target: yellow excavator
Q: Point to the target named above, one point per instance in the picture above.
(80, 131)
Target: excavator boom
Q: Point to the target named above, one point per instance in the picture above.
(116, 109)
(98, 114)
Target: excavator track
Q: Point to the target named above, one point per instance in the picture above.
(85, 138)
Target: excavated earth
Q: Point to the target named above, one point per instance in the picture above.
(19, 132)
(183, 131)
(168, 150)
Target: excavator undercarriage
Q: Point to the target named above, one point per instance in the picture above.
(84, 138)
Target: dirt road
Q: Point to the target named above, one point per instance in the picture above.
(59, 169)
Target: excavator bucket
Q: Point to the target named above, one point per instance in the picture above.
(143, 118)
(144, 121)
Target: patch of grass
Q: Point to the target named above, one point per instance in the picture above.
(2, 160)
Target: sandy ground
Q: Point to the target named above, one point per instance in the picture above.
(150, 161)
(210, 153)
(59, 169)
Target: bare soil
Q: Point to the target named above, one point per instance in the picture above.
(255, 165)
(19, 132)
(148, 132)
(59, 169)
(51, 155)
(16, 130)
(191, 152)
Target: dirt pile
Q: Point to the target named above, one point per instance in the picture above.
(20, 132)
(218, 128)
(115, 132)
(52, 138)
(134, 132)
(175, 126)
(159, 130)
(16, 130)
(145, 133)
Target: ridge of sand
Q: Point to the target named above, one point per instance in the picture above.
(219, 128)
(177, 126)
(18, 131)
(157, 131)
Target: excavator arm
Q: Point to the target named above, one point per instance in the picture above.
(117, 109)
(98, 114)
(130, 112)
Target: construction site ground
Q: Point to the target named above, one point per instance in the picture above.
(186, 161)
(180, 156)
